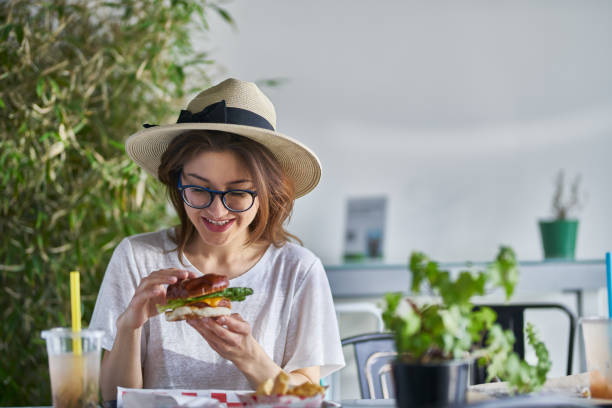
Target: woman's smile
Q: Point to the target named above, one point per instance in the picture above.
(217, 225)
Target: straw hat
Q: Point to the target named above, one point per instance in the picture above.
(237, 107)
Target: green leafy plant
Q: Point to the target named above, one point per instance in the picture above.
(563, 204)
(76, 78)
(453, 329)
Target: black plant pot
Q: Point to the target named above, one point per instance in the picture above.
(430, 385)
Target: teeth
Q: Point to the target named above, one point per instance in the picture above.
(217, 222)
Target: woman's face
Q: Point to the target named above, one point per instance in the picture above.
(216, 225)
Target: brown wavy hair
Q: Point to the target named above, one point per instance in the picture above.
(275, 191)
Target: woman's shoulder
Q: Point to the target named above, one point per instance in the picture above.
(294, 254)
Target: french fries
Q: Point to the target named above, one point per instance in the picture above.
(265, 388)
(306, 389)
(280, 386)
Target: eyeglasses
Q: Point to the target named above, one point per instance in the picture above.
(202, 197)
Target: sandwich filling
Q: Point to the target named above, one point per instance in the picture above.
(226, 296)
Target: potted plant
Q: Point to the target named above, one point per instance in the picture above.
(559, 233)
(437, 341)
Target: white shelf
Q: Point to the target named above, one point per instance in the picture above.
(374, 280)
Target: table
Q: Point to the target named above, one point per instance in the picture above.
(520, 401)
(509, 402)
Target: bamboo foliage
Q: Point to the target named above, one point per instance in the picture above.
(76, 78)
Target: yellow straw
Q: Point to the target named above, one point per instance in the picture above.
(75, 303)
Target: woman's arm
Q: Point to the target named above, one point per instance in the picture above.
(121, 366)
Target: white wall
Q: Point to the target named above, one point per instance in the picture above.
(461, 112)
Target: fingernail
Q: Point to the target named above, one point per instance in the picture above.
(221, 320)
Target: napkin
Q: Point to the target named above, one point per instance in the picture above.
(576, 385)
(172, 398)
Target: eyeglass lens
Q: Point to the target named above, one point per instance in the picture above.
(233, 200)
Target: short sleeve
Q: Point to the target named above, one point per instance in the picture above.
(118, 286)
(313, 337)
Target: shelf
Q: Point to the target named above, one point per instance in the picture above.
(376, 279)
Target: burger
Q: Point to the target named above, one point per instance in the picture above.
(205, 296)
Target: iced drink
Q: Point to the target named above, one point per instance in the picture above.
(74, 375)
(597, 336)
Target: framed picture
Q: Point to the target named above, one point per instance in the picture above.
(365, 227)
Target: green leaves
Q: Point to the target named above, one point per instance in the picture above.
(422, 269)
(453, 329)
(225, 15)
(506, 364)
(71, 90)
(504, 272)
(544, 364)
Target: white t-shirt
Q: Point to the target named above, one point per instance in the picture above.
(291, 314)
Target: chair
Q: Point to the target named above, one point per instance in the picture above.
(351, 308)
(373, 353)
(361, 308)
(511, 317)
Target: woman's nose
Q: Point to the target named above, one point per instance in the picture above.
(216, 208)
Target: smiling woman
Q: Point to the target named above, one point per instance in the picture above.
(215, 160)
(232, 179)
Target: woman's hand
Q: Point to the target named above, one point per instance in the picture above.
(230, 336)
(150, 292)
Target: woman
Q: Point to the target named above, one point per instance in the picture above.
(223, 146)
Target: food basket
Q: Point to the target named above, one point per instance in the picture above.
(281, 401)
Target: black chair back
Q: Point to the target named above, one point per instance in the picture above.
(373, 355)
(512, 317)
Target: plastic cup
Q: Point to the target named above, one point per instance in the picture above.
(597, 336)
(74, 375)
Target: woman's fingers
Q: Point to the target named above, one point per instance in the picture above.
(213, 331)
(157, 281)
(152, 289)
(163, 277)
(144, 298)
(217, 329)
(202, 328)
(178, 273)
(214, 342)
(237, 316)
(235, 323)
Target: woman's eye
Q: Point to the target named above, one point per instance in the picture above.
(238, 194)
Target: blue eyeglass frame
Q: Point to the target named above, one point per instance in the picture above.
(213, 194)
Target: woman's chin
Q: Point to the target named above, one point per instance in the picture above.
(219, 240)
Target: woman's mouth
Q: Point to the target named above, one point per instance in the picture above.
(217, 225)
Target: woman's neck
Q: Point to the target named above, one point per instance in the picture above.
(229, 261)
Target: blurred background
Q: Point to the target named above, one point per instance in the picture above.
(460, 114)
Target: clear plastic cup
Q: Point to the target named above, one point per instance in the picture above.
(74, 376)
(597, 336)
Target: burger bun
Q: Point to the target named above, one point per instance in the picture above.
(193, 312)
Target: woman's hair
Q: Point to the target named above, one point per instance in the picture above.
(275, 191)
